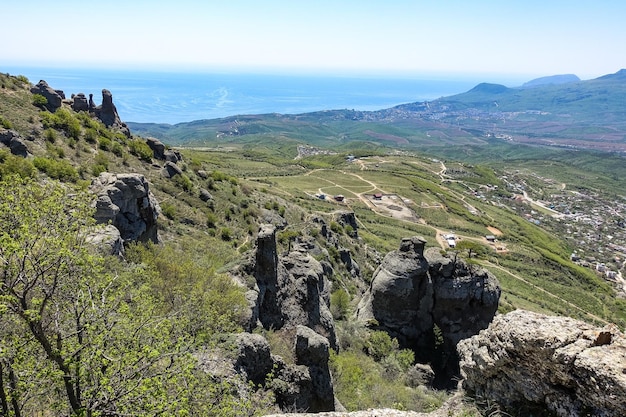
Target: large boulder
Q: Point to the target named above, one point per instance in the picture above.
(429, 302)
(158, 148)
(315, 390)
(290, 290)
(107, 113)
(14, 142)
(530, 361)
(106, 239)
(79, 102)
(253, 358)
(125, 201)
(54, 97)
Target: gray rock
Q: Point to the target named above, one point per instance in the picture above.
(54, 98)
(526, 360)
(125, 201)
(203, 174)
(14, 142)
(172, 156)
(158, 148)
(347, 218)
(170, 170)
(429, 303)
(107, 240)
(253, 357)
(292, 289)
(313, 351)
(107, 113)
(205, 195)
(79, 102)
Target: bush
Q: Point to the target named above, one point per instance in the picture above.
(340, 304)
(5, 123)
(11, 164)
(226, 234)
(60, 170)
(183, 182)
(141, 150)
(50, 135)
(168, 210)
(39, 100)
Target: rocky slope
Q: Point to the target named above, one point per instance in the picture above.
(529, 361)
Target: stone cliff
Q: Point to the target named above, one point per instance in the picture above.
(126, 202)
(429, 302)
(528, 361)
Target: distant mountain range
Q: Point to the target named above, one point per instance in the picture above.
(551, 79)
(559, 110)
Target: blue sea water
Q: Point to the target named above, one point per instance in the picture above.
(174, 97)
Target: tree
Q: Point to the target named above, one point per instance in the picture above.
(74, 336)
(472, 248)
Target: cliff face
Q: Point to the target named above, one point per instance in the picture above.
(527, 361)
(429, 303)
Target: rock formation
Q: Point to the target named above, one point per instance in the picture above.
(14, 142)
(429, 303)
(125, 200)
(525, 361)
(107, 240)
(79, 102)
(290, 290)
(107, 113)
(304, 385)
(54, 97)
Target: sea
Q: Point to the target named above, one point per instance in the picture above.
(174, 97)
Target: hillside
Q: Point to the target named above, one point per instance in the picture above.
(240, 173)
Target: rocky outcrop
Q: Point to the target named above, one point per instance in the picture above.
(54, 97)
(526, 361)
(347, 218)
(107, 240)
(125, 201)
(14, 142)
(290, 290)
(158, 148)
(107, 113)
(429, 302)
(79, 102)
(307, 384)
(254, 359)
(303, 385)
(170, 170)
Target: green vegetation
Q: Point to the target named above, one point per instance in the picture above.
(138, 326)
(102, 338)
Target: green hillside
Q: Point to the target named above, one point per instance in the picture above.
(539, 206)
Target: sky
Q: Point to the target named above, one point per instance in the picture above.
(408, 37)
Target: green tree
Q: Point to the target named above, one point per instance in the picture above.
(76, 338)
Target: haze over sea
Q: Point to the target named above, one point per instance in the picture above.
(174, 97)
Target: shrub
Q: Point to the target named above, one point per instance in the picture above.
(340, 304)
(104, 143)
(141, 150)
(61, 170)
(5, 123)
(39, 100)
(380, 345)
(168, 210)
(183, 182)
(11, 164)
(226, 234)
(50, 135)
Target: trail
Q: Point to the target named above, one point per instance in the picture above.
(543, 290)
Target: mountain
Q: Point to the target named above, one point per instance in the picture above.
(551, 79)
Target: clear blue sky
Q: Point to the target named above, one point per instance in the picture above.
(535, 38)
